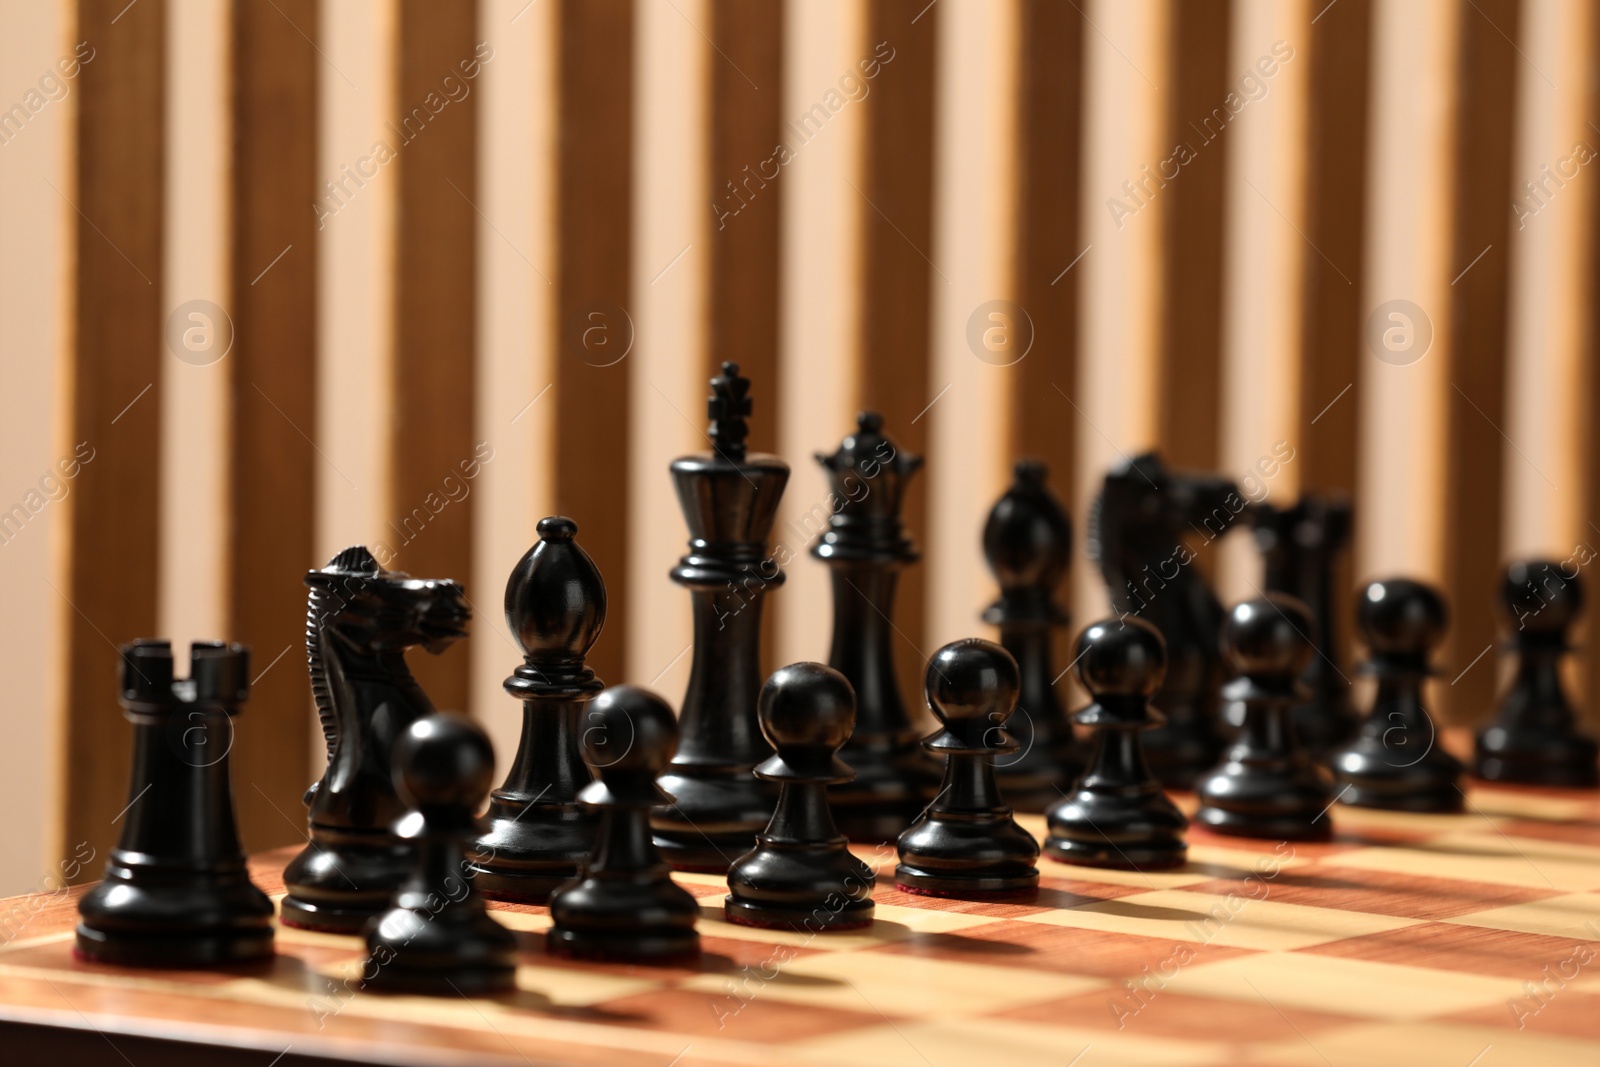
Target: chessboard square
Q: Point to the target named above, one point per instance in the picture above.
(1489, 857)
(1353, 822)
(1312, 982)
(1564, 1012)
(893, 923)
(1576, 915)
(1540, 805)
(1327, 885)
(734, 1015)
(1008, 1042)
(1155, 1010)
(903, 987)
(1069, 950)
(1206, 863)
(1450, 947)
(1235, 921)
(1434, 1044)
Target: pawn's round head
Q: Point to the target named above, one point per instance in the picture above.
(1269, 636)
(1541, 597)
(972, 680)
(444, 762)
(629, 731)
(807, 705)
(1120, 657)
(1401, 617)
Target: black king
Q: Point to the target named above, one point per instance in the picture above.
(729, 500)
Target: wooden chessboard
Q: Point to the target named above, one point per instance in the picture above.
(1409, 939)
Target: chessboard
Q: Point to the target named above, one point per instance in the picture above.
(1453, 940)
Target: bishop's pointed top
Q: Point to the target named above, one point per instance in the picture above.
(728, 408)
(555, 607)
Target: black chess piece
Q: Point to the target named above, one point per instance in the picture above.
(1300, 547)
(1028, 543)
(625, 905)
(437, 936)
(1267, 785)
(360, 620)
(176, 891)
(801, 874)
(538, 834)
(729, 499)
(865, 548)
(1117, 815)
(1144, 529)
(967, 844)
(1395, 760)
(1533, 737)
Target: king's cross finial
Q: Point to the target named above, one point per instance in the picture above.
(728, 408)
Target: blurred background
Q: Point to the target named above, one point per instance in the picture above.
(281, 276)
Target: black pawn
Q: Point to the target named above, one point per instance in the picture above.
(538, 833)
(625, 905)
(801, 874)
(437, 936)
(1300, 547)
(966, 844)
(176, 891)
(1533, 737)
(1268, 785)
(1027, 543)
(729, 498)
(1396, 760)
(1117, 815)
(865, 548)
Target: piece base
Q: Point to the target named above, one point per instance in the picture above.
(923, 883)
(1580, 772)
(1124, 859)
(175, 950)
(744, 913)
(1432, 801)
(324, 920)
(633, 947)
(1309, 827)
(516, 888)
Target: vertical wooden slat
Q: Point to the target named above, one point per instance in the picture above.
(974, 258)
(677, 211)
(1198, 76)
(821, 226)
(1113, 412)
(1409, 257)
(1266, 268)
(590, 270)
(1047, 243)
(515, 412)
(1489, 76)
(1551, 353)
(107, 562)
(435, 129)
(36, 223)
(894, 213)
(273, 467)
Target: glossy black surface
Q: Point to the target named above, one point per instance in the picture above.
(1300, 547)
(1117, 814)
(967, 844)
(625, 906)
(1267, 785)
(1396, 760)
(865, 548)
(436, 936)
(1028, 544)
(176, 892)
(801, 874)
(1533, 736)
(360, 620)
(537, 834)
(729, 500)
(1144, 530)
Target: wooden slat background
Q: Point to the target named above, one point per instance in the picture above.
(592, 165)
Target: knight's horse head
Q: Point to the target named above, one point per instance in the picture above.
(372, 610)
